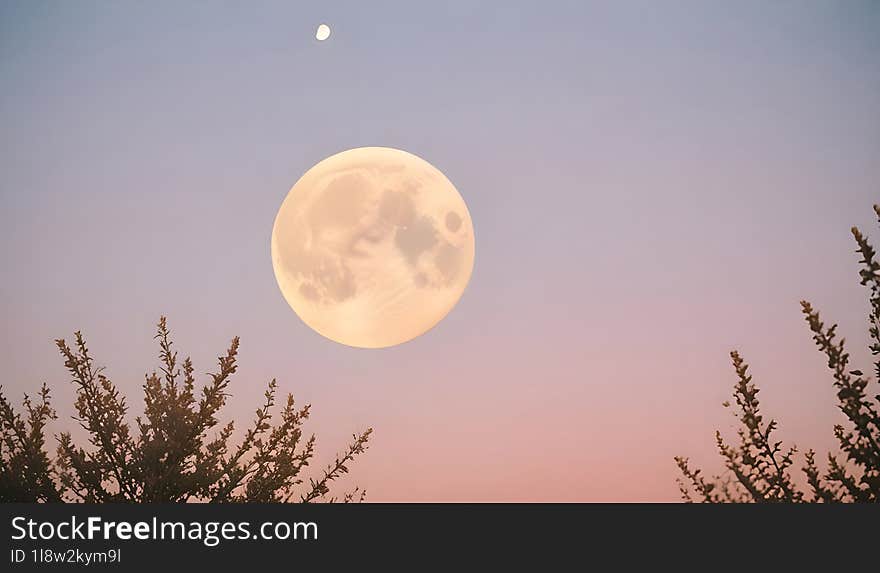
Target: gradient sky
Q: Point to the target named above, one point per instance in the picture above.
(651, 183)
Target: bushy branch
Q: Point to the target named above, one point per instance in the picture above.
(26, 473)
(761, 466)
(178, 452)
(321, 487)
(104, 473)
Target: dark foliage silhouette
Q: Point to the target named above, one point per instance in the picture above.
(177, 451)
(760, 469)
(26, 472)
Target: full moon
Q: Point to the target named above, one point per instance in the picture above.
(323, 32)
(372, 247)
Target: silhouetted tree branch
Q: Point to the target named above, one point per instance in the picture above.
(177, 452)
(26, 472)
(761, 467)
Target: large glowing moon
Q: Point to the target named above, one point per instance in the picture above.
(372, 247)
(322, 33)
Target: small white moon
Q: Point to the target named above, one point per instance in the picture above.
(322, 33)
(372, 247)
